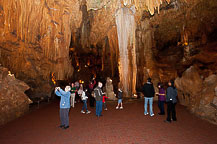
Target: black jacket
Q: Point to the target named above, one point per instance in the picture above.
(148, 90)
(120, 93)
(171, 95)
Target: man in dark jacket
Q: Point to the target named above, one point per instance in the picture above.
(149, 92)
(98, 94)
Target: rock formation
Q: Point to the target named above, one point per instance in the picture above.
(13, 101)
(198, 93)
(109, 89)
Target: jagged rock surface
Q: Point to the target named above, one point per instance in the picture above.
(198, 93)
(13, 101)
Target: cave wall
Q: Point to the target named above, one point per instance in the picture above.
(35, 38)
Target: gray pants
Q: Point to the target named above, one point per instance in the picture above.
(73, 100)
(64, 116)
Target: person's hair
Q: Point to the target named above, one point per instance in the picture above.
(149, 79)
(172, 84)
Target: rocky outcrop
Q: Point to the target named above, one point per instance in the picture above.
(198, 93)
(13, 101)
(109, 89)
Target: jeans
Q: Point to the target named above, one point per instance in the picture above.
(64, 116)
(73, 99)
(161, 106)
(150, 105)
(98, 108)
(171, 108)
(85, 105)
(104, 104)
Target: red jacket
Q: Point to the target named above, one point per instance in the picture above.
(103, 98)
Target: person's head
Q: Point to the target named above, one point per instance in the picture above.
(119, 89)
(72, 84)
(171, 83)
(160, 85)
(149, 79)
(100, 84)
(67, 88)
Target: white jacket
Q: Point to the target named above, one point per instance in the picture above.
(83, 96)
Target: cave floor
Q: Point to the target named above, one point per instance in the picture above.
(115, 126)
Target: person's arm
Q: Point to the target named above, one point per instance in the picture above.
(58, 93)
(63, 93)
(94, 82)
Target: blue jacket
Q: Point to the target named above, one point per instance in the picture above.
(65, 98)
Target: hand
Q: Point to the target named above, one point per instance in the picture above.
(57, 88)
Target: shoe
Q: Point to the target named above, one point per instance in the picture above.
(145, 113)
(173, 120)
(65, 127)
(61, 126)
(105, 109)
(167, 121)
(88, 112)
(82, 112)
(152, 115)
(117, 107)
(121, 107)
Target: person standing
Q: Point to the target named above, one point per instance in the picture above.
(120, 97)
(98, 96)
(91, 86)
(104, 97)
(73, 90)
(84, 99)
(161, 99)
(149, 92)
(171, 100)
(64, 105)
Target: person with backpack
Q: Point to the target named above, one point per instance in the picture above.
(149, 92)
(98, 94)
(171, 99)
(84, 99)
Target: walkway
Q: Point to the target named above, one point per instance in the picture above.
(128, 126)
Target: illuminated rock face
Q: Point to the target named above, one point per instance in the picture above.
(198, 93)
(35, 38)
(13, 101)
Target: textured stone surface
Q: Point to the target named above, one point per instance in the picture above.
(109, 89)
(198, 94)
(13, 101)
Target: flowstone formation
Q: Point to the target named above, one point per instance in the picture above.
(126, 41)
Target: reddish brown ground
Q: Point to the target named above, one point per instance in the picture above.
(128, 126)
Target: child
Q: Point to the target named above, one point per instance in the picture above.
(103, 100)
(120, 93)
(84, 99)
